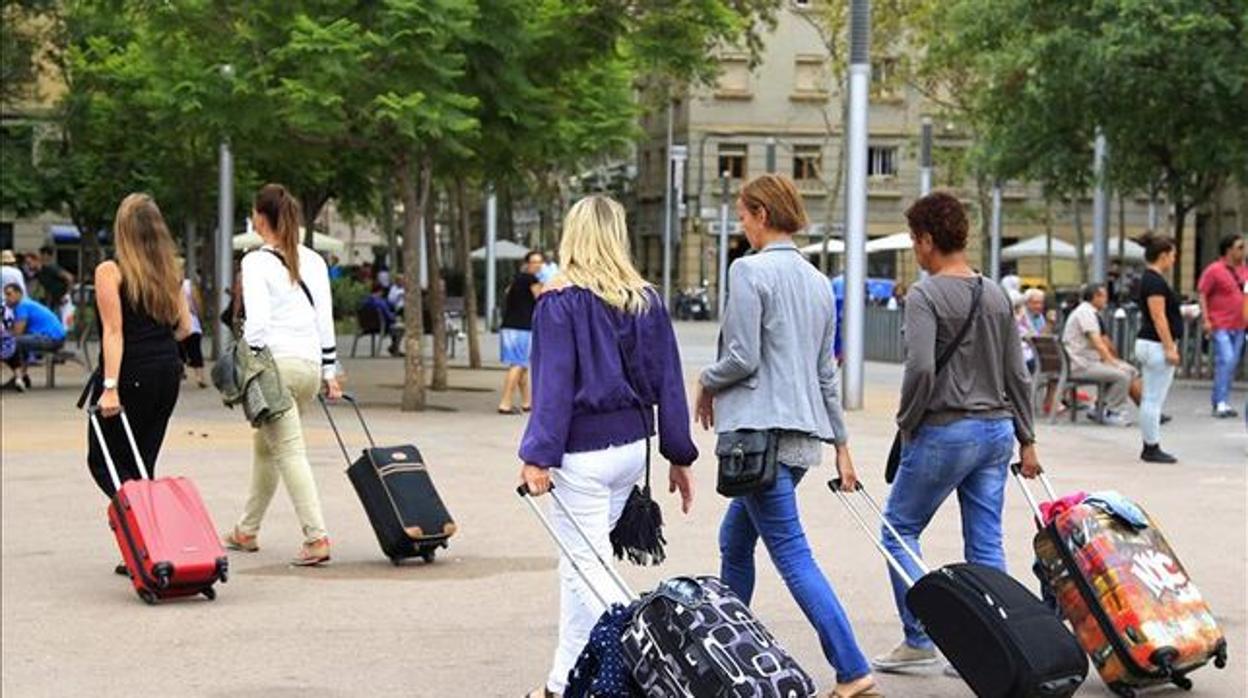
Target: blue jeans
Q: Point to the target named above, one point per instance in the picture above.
(1228, 346)
(772, 515)
(970, 456)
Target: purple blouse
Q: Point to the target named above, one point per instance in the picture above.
(583, 398)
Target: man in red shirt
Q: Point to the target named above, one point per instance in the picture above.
(1222, 287)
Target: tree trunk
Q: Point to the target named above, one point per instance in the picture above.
(387, 227)
(311, 203)
(1048, 243)
(983, 195)
(414, 195)
(1077, 203)
(463, 249)
(1180, 218)
(189, 234)
(437, 303)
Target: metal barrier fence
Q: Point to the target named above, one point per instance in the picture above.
(884, 340)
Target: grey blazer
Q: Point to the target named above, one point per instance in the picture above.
(776, 368)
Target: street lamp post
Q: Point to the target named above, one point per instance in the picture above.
(722, 279)
(925, 165)
(225, 232)
(491, 267)
(667, 211)
(994, 244)
(856, 203)
(1100, 211)
(771, 154)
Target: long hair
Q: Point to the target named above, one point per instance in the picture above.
(594, 253)
(281, 209)
(150, 275)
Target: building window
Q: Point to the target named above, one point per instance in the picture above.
(732, 159)
(882, 161)
(885, 78)
(810, 78)
(807, 162)
(734, 78)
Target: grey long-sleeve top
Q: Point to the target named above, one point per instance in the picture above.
(986, 377)
(776, 369)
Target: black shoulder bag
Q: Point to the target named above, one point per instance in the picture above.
(639, 531)
(894, 453)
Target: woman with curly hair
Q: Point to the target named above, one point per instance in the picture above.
(959, 423)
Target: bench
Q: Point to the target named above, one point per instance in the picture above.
(1053, 365)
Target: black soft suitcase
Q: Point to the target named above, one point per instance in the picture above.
(398, 495)
(1003, 640)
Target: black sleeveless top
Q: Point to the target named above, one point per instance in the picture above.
(147, 343)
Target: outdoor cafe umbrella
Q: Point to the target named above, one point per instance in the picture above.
(1132, 251)
(897, 242)
(503, 249)
(835, 246)
(320, 241)
(1037, 246)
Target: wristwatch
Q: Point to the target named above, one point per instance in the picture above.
(110, 383)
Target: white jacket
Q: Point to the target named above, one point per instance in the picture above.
(278, 313)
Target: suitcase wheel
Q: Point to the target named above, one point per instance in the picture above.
(209, 593)
(1219, 658)
(148, 597)
(1182, 682)
(429, 555)
(396, 561)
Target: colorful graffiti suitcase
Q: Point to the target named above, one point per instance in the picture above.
(167, 539)
(1133, 608)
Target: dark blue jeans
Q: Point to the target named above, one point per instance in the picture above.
(772, 515)
(970, 456)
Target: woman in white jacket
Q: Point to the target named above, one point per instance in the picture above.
(288, 307)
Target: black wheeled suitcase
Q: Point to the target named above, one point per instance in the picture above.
(398, 495)
(1003, 640)
(691, 637)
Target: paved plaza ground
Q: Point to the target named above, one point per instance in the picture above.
(481, 620)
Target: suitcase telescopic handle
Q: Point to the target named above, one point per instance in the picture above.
(835, 485)
(524, 493)
(93, 414)
(1017, 469)
(347, 397)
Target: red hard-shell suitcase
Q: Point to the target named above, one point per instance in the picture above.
(1133, 607)
(166, 537)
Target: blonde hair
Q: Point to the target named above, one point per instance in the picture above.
(594, 254)
(150, 275)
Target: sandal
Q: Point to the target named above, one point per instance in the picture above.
(868, 691)
(312, 554)
(236, 540)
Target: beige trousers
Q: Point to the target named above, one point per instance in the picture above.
(279, 453)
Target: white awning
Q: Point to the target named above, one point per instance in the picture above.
(503, 249)
(1037, 246)
(891, 243)
(1132, 251)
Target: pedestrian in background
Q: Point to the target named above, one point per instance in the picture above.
(1092, 357)
(959, 423)
(10, 273)
(516, 333)
(192, 347)
(1157, 344)
(34, 328)
(53, 280)
(604, 356)
(289, 310)
(141, 315)
(1222, 288)
(776, 371)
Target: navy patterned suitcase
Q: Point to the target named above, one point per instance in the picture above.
(399, 497)
(692, 637)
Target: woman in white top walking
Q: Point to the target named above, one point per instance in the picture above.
(287, 302)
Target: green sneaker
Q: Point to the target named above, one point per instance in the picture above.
(904, 657)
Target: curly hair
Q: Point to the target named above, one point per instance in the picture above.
(942, 216)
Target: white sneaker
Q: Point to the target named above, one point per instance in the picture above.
(904, 657)
(1116, 419)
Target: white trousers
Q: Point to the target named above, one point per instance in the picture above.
(594, 487)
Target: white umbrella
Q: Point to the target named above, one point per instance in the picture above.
(503, 249)
(1036, 246)
(890, 243)
(835, 246)
(1132, 251)
(321, 242)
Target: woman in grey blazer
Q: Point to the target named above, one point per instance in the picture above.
(776, 371)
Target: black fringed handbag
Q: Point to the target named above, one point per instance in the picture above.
(638, 534)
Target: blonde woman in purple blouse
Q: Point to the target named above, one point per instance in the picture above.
(587, 434)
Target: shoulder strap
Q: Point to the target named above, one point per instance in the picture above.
(641, 403)
(976, 295)
(302, 285)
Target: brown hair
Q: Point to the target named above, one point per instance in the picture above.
(1155, 246)
(942, 216)
(777, 195)
(280, 208)
(150, 275)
